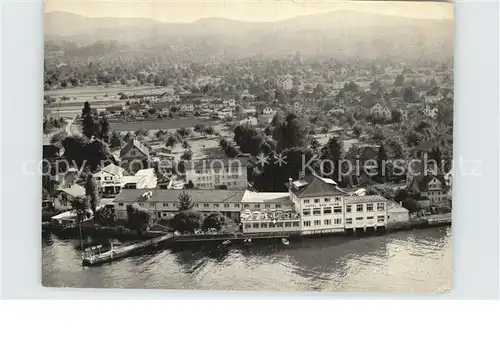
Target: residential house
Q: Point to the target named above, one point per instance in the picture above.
(284, 82)
(431, 187)
(380, 111)
(143, 179)
(230, 173)
(109, 180)
(65, 195)
(134, 155)
(268, 111)
(163, 202)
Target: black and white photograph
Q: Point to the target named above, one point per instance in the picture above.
(293, 146)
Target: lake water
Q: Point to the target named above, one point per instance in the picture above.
(411, 261)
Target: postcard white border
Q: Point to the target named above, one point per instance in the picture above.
(475, 208)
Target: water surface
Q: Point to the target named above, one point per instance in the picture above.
(411, 261)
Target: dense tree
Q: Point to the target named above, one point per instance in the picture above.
(401, 195)
(91, 192)
(410, 95)
(357, 130)
(331, 154)
(399, 81)
(90, 126)
(382, 166)
(411, 205)
(274, 175)
(290, 133)
(396, 116)
(185, 201)
(184, 132)
(187, 221)
(214, 221)
(104, 129)
(86, 109)
(138, 218)
(129, 136)
(171, 140)
(115, 140)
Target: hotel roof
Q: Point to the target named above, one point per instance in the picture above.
(314, 185)
(172, 195)
(353, 199)
(251, 197)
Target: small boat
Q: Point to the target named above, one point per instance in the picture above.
(285, 241)
(226, 242)
(247, 241)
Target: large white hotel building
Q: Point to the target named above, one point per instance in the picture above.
(316, 205)
(312, 205)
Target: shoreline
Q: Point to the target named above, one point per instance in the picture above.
(97, 232)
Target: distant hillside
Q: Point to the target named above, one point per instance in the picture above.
(346, 32)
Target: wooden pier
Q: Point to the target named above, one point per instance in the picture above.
(121, 252)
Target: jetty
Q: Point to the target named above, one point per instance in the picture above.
(94, 259)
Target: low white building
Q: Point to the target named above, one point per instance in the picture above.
(397, 213)
(163, 202)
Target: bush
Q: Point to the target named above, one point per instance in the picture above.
(411, 205)
(187, 221)
(138, 217)
(214, 221)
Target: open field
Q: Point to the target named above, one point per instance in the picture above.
(154, 125)
(100, 90)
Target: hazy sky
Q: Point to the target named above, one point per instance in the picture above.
(249, 10)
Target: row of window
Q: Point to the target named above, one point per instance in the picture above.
(369, 207)
(317, 211)
(380, 219)
(272, 225)
(105, 178)
(325, 222)
(219, 170)
(259, 206)
(326, 199)
(211, 185)
(235, 176)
